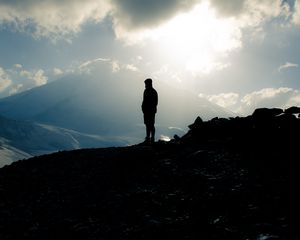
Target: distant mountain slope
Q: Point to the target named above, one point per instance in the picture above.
(22, 139)
(9, 154)
(106, 105)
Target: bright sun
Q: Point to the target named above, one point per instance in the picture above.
(198, 39)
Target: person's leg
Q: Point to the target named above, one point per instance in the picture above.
(153, 134)
(148, 129)
(148, 132)
(152, 131)
(149, 120)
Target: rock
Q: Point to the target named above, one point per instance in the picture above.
(266, 113)
(292, 110)
(198, 122)
(176, 137)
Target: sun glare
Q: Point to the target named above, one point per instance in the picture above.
(197, 39)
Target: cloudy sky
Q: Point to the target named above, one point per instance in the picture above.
(240, 54)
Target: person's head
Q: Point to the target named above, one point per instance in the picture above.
(148, 82)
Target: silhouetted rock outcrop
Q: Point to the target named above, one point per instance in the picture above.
(266, 113)
(292, 110)
(231, 178)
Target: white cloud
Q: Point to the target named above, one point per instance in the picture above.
(18, 79)
(187, 27)
(57, 71)
(287, 65)
(57, 19)
(106, 65)
(115, 66)
(254, 11)
(92, 62)
(16, 89)
(130, 20)
(37, 77)
(19, 66)
(198, 49)
(263, 94)
(226, 100)
(253, 14)
(5, 81)
(229, 8)
(25, 73)
(50, 18)
(294, 100)
(60, 19)
(131, 67)
(296, 15)
(166, 73)
(269, 97)
(89, 65)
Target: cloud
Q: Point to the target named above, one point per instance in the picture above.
(5, 81)
(226, 100)
(15, 89)
(287, 65)
(242, 14)
(138, 14)
(257, 12)
(51, 18)
(252, 10)
(62, 18)
(115, 66)
(131, 67)
(106, 65)
(56, 19)
(17, 65)
(282, 97)
(91, 62)
(229, 8)
(269, 97)
(296, 15)
(57, 71)
(39, 78)
(25, 73)
(17, 79)
(132, 15)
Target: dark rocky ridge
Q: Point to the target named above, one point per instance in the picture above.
(231, 178)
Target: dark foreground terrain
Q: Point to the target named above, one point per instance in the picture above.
(225, 179)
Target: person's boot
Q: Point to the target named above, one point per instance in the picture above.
(147, 140)
(152, 140)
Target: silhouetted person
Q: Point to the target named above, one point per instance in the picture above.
(149, 108)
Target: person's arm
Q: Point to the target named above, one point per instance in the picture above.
(143, 103)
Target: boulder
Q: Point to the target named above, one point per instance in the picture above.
(292, 110)
(266, 113)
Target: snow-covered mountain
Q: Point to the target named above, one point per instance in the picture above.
(9, 154)
(23, 139)
(82, 103)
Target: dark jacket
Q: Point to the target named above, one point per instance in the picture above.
(150, 100)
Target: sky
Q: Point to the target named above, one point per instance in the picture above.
(239, 54)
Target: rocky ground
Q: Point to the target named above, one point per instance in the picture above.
(225, 179)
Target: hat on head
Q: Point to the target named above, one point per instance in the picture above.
(148, 80)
